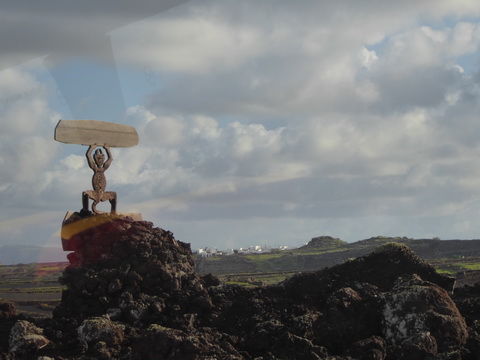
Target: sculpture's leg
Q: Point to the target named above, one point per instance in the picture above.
(113, 205)
(84, 202)
(88, 194)
(112, 197)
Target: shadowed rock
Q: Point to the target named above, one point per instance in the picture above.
(7, 320)
(7, 309)
(26, 338)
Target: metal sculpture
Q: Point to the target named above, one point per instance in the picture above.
(99, 182)
(101, 134)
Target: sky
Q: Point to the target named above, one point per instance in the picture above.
(260, 122)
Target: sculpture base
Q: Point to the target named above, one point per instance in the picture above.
(75, 223)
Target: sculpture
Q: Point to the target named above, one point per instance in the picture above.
(98, 164)
(97, 134)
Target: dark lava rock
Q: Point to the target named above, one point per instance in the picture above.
(467, 299)
(373, 348)
(132, 293)
(159, 343)
(136, 273)
(7, 310)
(7, 320)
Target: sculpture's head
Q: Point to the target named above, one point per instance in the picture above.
(99, 157)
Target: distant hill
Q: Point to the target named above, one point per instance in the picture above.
(25, 254)
(324, 242)
(325, 251)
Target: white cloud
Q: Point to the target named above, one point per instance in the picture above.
(23, 105)
(198, 148)
(26, 145)
(192, 45)
(367, 57)
(165, 130)
(465, 38)
(73, 162)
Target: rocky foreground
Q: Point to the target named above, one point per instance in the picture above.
(132, 293)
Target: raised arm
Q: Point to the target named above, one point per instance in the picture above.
(110, 158)
(91, 163)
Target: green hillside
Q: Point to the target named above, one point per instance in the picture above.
(448, 256)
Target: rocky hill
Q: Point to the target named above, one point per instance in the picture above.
(133, 293)
(324, 242)
(325, 251)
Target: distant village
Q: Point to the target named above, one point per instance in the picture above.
(256, 249)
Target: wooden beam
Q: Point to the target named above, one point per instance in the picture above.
(93, 132)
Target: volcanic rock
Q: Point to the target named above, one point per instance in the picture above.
(132, 293)
(7, 320)
(420, 315)
(135, 273)
(160, 343)
(7, 309)
(101, 329)
(373, 348)
(26, 338)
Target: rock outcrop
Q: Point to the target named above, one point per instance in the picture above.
(26, 338)
(421, 319)
(132, 293)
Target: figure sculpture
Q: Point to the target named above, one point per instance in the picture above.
(97, 134)
(98, 164)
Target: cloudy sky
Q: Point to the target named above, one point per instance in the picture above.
(260, 122)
